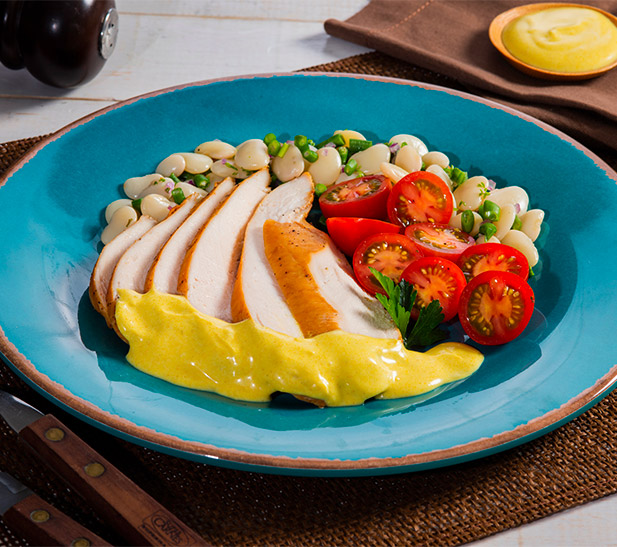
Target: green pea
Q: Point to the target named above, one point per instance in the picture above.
(516, 225)
(488, 229)
(201, 181)
(489, 210)
(351, 166)
(467, 221)
(273, 147)
(301, 142)
(320, 189)
(178, 195)
(310, 155)
(343, 151)
(269, 138)
(136, 203)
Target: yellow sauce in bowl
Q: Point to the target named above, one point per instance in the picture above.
(563, 39)
(171, 340)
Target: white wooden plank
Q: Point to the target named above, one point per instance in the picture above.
(282, 10)
(589, 525)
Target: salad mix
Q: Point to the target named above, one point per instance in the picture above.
(430, 242)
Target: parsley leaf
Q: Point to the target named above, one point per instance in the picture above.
(399, 301)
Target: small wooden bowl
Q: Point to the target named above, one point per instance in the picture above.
(502, 20)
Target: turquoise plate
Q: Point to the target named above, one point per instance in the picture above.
(51, 216)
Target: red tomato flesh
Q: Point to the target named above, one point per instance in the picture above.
(364, 197)
(493, 257)
(495, 307)
(435, 278)
(389, 254)
(439, 240)
(348, 232)
(420, 197)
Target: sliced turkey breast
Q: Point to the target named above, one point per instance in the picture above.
(165, 270)
(210, 266)
(133, 267)
(318, 285)
(109, 257)
(257, 294)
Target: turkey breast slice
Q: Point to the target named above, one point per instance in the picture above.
(210, 266)
(165, 271)
(257, 294)
(109, 257)
(318, 285)
(132, 268)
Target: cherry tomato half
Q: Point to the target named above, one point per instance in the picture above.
(420, 197)
(364, 197)
(435, 278)
(439, 240)
(348, 232)
(495, 307)
(389, 254)
(493, 257)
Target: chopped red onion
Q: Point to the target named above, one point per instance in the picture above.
(491, 184)
(517, 208)
(394, 148)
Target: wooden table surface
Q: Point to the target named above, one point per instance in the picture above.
(164, 43)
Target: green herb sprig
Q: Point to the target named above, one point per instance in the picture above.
(399, 302)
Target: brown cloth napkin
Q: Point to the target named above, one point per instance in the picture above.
(451, 37)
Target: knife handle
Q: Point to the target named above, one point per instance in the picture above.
(135, 515)
(41, 524)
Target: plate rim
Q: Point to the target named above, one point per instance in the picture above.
(140, 434)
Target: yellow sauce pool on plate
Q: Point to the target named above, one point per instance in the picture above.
(171, 340)
(563, 39)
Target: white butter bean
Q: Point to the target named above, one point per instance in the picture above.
(409, 159)
(411, 140)
(349, 134)
(136, 185)
(172, 164)
(456, 222)
(469, 195)
(120, 221)
(216, 149)
(188, 189)
(370, 160)
(290, 166)
(393, 172)
(252, 155)
(436, 158)
(521, 242)
(196, 163)
(162, 187)
(114, 206)
(482, 239)
(513, 195)
(507, 215)
(344, 177)
(227, 168)
(437, 170)
(327, 168)
(531, 223)
(156, 206)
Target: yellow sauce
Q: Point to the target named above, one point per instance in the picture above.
(563, 39)
(171, 340)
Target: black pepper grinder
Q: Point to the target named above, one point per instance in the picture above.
(61, 43)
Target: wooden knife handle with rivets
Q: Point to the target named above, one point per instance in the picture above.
(41, 524)
(120, 503)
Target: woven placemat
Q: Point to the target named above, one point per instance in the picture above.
(450, 506)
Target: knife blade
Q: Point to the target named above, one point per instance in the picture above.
(37, 521)
(123, 505)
